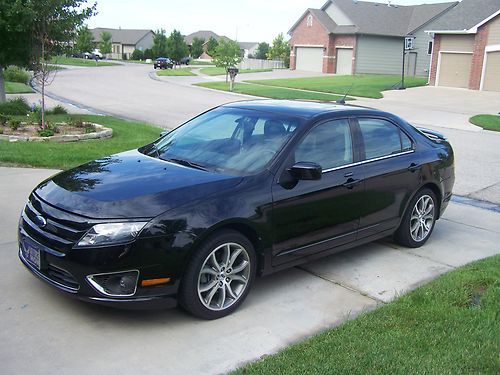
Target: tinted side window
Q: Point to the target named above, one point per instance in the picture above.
(328, 144)
(381, 138)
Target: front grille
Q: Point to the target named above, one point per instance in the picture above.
(62, 229)
(62, 277)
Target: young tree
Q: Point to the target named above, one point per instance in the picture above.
(262, 50)
(15, 23)
(227, 54)
(159, 44)
(105, 43)
(84, 40)
(197, 47)
(176, 46)
(280, 50)
(53, 27)
(211, 46)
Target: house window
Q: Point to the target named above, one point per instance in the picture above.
(409, 42)
(309, 20)
(429, 47)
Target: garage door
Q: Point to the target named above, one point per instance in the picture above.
(344, 61)
(310, 59)
(492, 72)
(454, 69)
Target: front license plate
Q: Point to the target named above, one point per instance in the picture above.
(32, 254)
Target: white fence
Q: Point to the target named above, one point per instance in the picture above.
(261, 64)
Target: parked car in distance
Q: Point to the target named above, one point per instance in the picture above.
(185, 60)
(242, 190)
(163, 63)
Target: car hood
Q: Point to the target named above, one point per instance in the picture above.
(129, 185)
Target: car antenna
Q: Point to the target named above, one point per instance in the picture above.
(342, 101)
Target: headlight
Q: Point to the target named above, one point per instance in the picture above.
(111, 234)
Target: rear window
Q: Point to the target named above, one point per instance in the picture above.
(382, 138)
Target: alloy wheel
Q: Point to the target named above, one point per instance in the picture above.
(224, 276)
(422, 218)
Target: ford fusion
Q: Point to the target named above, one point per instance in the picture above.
(245, 189)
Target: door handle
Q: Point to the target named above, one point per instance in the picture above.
(414, 167)
(351, 183)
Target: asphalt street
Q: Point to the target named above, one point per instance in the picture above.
(43, 331)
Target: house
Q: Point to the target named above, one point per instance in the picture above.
(466, 49)
(125, 41)
(248, 49)
(205, 35)
(350, 36)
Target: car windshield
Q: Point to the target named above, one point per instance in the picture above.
(227, 140)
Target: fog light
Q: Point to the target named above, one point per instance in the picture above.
(116, 284)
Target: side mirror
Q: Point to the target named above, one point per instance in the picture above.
(305, 170)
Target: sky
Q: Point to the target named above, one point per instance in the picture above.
(242, 20)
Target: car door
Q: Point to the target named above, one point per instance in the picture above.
(313, 216)
(390, 174)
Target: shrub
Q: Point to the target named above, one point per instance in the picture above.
(57, 110)
(148, 54)
(137, 55)
(46, 132)
(14, 124)
(3, 119)
(17, 106)
(89, 128)
(77, 123)
(15, 74)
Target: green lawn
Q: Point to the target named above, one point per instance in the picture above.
(271, 92)
(17, 88)
(222, 71)
(370, 86)
(126, 135)
(64, 60)
(197, 62)
(175, 72)
(488, 122)
(449, 326)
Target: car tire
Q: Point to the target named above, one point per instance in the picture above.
(418, 220)
(219, 276)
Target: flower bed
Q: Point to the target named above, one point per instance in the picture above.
(59, 132)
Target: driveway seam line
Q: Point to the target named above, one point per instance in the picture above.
(342, 285)
(468, 225)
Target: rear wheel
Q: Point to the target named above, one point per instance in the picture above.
(419, 219)
(219, 276)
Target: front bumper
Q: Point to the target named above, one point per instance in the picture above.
(70, 277)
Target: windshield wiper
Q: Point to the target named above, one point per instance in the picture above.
(188, 163)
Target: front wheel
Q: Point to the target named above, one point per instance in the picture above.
(419, 219)
(219, 276)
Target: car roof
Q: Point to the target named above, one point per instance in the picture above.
(298, 108)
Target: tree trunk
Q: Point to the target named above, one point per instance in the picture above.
(2, 86)
(43, 104)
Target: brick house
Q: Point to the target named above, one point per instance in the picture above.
(350, 36)
(466, 51)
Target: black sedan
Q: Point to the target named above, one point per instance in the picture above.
(245, 189)
(163, 63)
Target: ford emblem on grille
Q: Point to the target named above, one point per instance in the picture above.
(40, 221)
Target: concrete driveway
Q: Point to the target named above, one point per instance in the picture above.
(46, 332)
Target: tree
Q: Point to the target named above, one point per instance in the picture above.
(280, 50)
(197, 47)
(211, 46)
(227, 54)
(262, 50)
(53, 26)
(176, 46)
(159, 44)
(15, 26)
(105, 43)
(84, 40)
